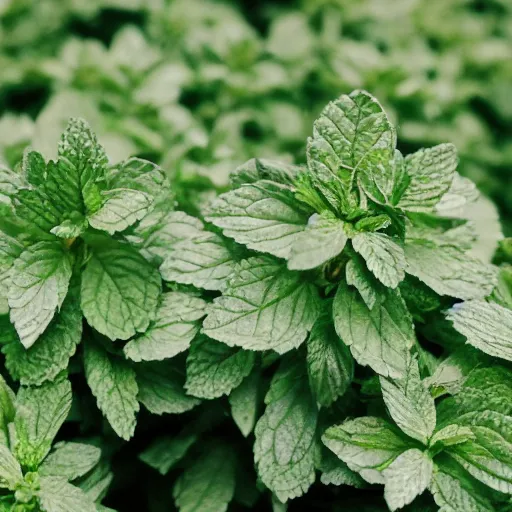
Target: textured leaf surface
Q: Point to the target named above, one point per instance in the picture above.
(257, 169)
(330, 363)
(39, 284)
(114, 385)
(265, 306)
(40, 412)
(380, 338)
(120, 291)
(10, 470)
(214, 369)
(285, 435)
(410, 404)
(245, 402)
(208, 484)
(358, 275)
(57, 495)
(264, 216)
(407, 477)
(336, 472)
(322, 240)
(431, 173)
(203, 261)
(161, 389)
(487, 326)
(367, 445)
(70, 460)
(383, 256)
(176, 324)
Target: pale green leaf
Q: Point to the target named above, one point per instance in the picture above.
(410, 404)
(178, 320)
(264, 216)
(336, 472)
(449, 436)
(10, 470)
(208, 484)
(358, 275)
(322, 240)
(245, 403)
(70, 460)
(113, 383)
(384, 257)
(40, 412)
(214, 369)
(431, 173)
(57, 495)
(70, 229)
(380, 338)
(407, 477)
(120, 290)
(258, 169)
(39, 284)
(96, 483)
(486, 326)
(10, 249)
(284, 450)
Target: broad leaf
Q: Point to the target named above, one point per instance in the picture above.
(358, 275)
(245, 402)
(57, 495)
(10, 470)
(70, 460)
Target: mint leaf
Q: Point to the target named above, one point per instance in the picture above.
(214, 369)
(114, 385)
(10, 470)
(410, 404)
(258, 169)
(39, 284)
(40, 412)
(70, 460)
(264, 216)
(50, 355)
(380, 338)
(284, 450)
(264, 306)
(330, 364)
(358, 275)
(431, 172)
(449, 271)
(161, 389)
(96, 483)
(208, 484)
(10, 249)
(486, 326)
(203, 261)
(449, 436)
(70, 229)
(383, 256)
(407, 477)
(245, 402)
(336, 472)
(120, 290)
(178, 320)
(367, 445)
(57, 495)
(164, 453)
(322, 240)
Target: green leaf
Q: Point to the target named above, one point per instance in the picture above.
(407, 477)
(204, 261)
(264, 306)
(258, 169)
(284, 450)
(264, 216)
(10, 470)
(486, 326)
(410, 404)
(82, 162)
(164, 453)
(383, 256)
(70, 229)
(50, 355)
(10, 249)
(322, 240)
(178, 320)
(330, 364)
(431, 173)
(336, 472)
(120, 290)
(208, 484)
(7, 411)
(120, 209)
(96, 483)
(380, 338)
(358, 275)
(214, 369)
(40, 412)
(70, 460)
(245, 402)
(57, 495)
(161, 389)
(113, 383)
(39, 284)
(448, 271)
(449, 436)
(367, 445)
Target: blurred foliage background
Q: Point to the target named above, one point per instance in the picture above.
(201, 86)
